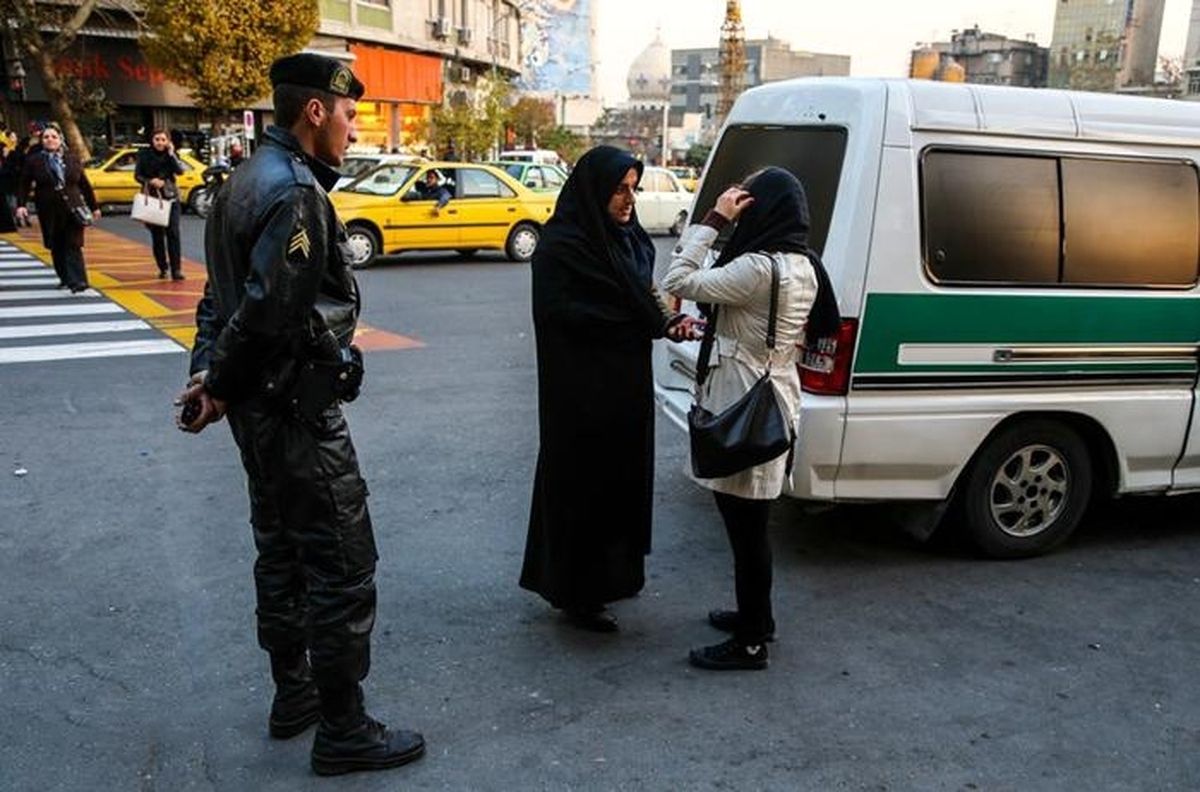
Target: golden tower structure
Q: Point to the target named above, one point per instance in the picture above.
(733, 59)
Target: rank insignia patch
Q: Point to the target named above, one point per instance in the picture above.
(299, 243)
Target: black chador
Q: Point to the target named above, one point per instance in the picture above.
(595, 314)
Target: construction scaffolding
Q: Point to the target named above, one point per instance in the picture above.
(733, 59)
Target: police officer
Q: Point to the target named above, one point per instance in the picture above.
(273, 353)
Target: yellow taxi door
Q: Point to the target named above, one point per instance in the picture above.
(485, 208)
(113, 183)
(412, 223)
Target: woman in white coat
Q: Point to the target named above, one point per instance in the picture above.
(771, 212)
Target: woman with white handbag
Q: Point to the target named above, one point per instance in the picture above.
(157, 206)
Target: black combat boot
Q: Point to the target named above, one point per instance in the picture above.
(349, 740)
(296, 705)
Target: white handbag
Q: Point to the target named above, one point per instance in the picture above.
(151, 209)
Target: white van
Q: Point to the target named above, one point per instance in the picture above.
(1017, 274)
(537, 156)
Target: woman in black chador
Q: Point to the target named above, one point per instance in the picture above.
(595, 313)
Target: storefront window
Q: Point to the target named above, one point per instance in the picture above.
(373, 125)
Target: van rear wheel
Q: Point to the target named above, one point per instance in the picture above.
(1027, 490)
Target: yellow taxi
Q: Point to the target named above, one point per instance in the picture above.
(388, 210)
(112, 176)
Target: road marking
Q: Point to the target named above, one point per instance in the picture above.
(28, 262)
(72, 328)
(77, 309)
(90, 349)
(45, 294)
(38, 281)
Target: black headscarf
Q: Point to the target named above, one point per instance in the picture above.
(586, 267)
(778, 221)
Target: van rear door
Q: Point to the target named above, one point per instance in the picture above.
(815, 155)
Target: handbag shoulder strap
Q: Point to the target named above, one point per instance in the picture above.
(710, 329)
(773, 315)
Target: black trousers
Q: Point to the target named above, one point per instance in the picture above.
(67, 257)
(315, 573)
(165, 241)
(746, 525)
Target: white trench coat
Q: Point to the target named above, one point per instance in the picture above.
(743, 290)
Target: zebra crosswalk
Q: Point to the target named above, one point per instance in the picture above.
(41, 323)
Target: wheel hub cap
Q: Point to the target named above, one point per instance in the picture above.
(1029, 490)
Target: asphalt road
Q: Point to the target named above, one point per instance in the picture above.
(128, 659)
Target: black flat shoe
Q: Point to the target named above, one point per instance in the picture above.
(162, 274)
(727, 621)
(600, 621)
(730, 656)
(176, 276)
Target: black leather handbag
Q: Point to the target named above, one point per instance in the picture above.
(748, 432)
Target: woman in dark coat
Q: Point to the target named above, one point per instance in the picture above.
(8, 187)
(156, 170)
(60, 188)
(595, 313)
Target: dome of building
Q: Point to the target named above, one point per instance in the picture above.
(650, 75)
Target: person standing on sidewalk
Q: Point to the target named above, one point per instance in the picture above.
(156, 170)
(65, 204)
(273, 352)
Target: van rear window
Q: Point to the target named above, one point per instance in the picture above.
(813, 154)
(1043, 220)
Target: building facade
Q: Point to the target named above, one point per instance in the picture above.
(985, 58)
(1105, 45)
(1191, 57)
(413, 55)
(696, 73)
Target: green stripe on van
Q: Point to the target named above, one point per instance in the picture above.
(891, 320)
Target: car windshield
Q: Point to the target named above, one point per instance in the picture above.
(384, 180)
(353, 167)
(514, 171)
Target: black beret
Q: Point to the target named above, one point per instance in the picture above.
(310, 70)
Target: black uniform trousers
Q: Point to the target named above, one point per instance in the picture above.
(315, 573)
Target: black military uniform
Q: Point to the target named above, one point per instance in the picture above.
(273, 334)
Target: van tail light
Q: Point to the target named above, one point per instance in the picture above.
(825, 368)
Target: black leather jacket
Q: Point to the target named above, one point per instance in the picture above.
(277, 273)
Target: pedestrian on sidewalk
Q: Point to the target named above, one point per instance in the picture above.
(65, 205)
(14, 163)
(8, 189)
(156, 170)
(273, 352)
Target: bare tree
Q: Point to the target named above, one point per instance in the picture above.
(44, 31)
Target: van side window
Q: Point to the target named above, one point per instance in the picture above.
(991, 218)
(1130, 222)
(1003, 218)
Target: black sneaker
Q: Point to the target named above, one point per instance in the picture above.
(292, 714)
(727, 621)
(730, 656)
(369, 745)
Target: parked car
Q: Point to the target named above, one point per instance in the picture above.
(539, 178)
(1017, 276)
(540, 156)
(687, 176)
(662, 203)
(112, 177)
(355, 165)
(488, 209)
